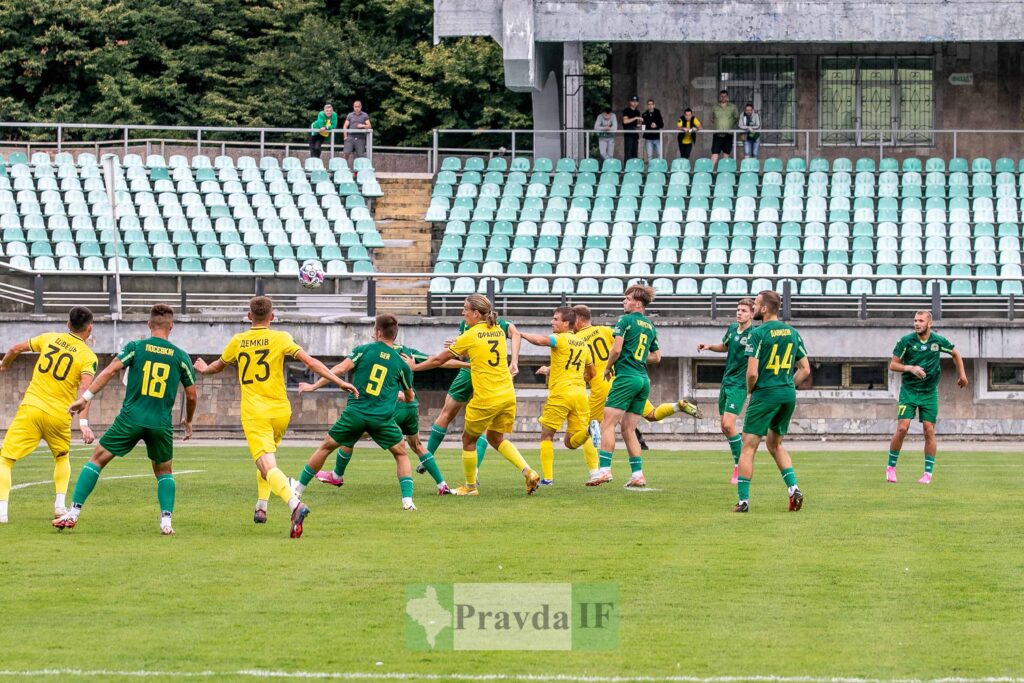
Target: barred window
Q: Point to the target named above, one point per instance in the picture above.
(768, 82)
(1005, 376)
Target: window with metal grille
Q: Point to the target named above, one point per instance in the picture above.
(768, 82)
(868, 100)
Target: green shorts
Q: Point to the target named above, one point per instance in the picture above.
(407, 417)
(762, 416)
(926, 407)
(122, 436)
(731, 400)
(461, 389)
(351, 426)
(629, 393)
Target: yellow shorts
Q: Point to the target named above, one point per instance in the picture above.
(598, 395)
(494, 414)
(264, 434)
(31, 425)
(560, 408)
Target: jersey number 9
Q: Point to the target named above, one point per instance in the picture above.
(376, 383)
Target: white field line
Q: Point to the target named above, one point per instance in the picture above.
(535, 678)
(120, 476)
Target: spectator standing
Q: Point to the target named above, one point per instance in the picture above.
(604, 125)
(326, 121)
(750, 124)
(689, 125)
(653, 125)
(631, 120)
(724, 117)
(356, 124)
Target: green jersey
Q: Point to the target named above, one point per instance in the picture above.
(378, 375)
(639, 338)
(912, 351)
(736, 358)
(777, 347)
(155, 369)
(418, 357)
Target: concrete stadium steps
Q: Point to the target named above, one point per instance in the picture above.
(407, 241)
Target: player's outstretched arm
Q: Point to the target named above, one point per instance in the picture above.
(96, 386)
(613, 357)
(717, 348)
(958, 361)
(319, 368)
(435, 361)
(751, 374)
(191, 400)
(537, 339)
(517, 342)
(341, 368)
(204, 368)
(803, 371)
(12, 353)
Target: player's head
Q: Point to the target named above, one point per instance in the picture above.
(385, 327)
(583, 316)
(638, 297)
(767, 305)
(80, 321)
(744, 311)
(261, 310)
(922, 322)
(161, 318)
(563, 319)
(477, 308)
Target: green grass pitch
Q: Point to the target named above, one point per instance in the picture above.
(869, 581)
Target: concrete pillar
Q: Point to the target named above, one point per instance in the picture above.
(547, 101)
(572, 68)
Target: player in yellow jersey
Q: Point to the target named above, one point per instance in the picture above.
(599, 339)
(260, 353)
(572, 364)
(64, 369)
(492, 409)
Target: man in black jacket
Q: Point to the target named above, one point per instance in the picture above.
(653, 125)
(631, 119)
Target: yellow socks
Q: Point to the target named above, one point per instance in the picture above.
(590, 454)
(61, 474)
(511, 453)
(5, 478)
(262, 487)
(665, 410)
(469, 466)
(278, 482)
(547, 459)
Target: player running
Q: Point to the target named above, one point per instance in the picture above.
(379, 372)
(733, 392)
(635, 345)
(599, 339)
(572, 364)
(65, 367)
(259, 353)
(773, 350)
(917, 356)
(492, 408)
(156, 369)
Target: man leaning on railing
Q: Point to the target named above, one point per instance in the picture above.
(326, 121)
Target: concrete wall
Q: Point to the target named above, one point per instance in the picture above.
(678, 75)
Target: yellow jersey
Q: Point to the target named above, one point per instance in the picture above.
(488, 362)
(570, 357)
(63, 358)
(599, 339)
(259, 353)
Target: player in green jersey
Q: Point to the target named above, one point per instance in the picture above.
(156, 368)
(917, 356)
(776, 363)
(733, 392)
(635, 345)
(378, 372)
(461, 390)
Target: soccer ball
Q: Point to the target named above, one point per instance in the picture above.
(311, 275)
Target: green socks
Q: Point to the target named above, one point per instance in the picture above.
(308, 473)
(430, 465)
(341, 462)
(604, 458)
(636, 464)
(789, 476)
(743, 488)
(929, 463)
(437, 435)
(893, 457)
(87, 479)
(481, 450)
(736, 446)
(405, 483)
(165, 490)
